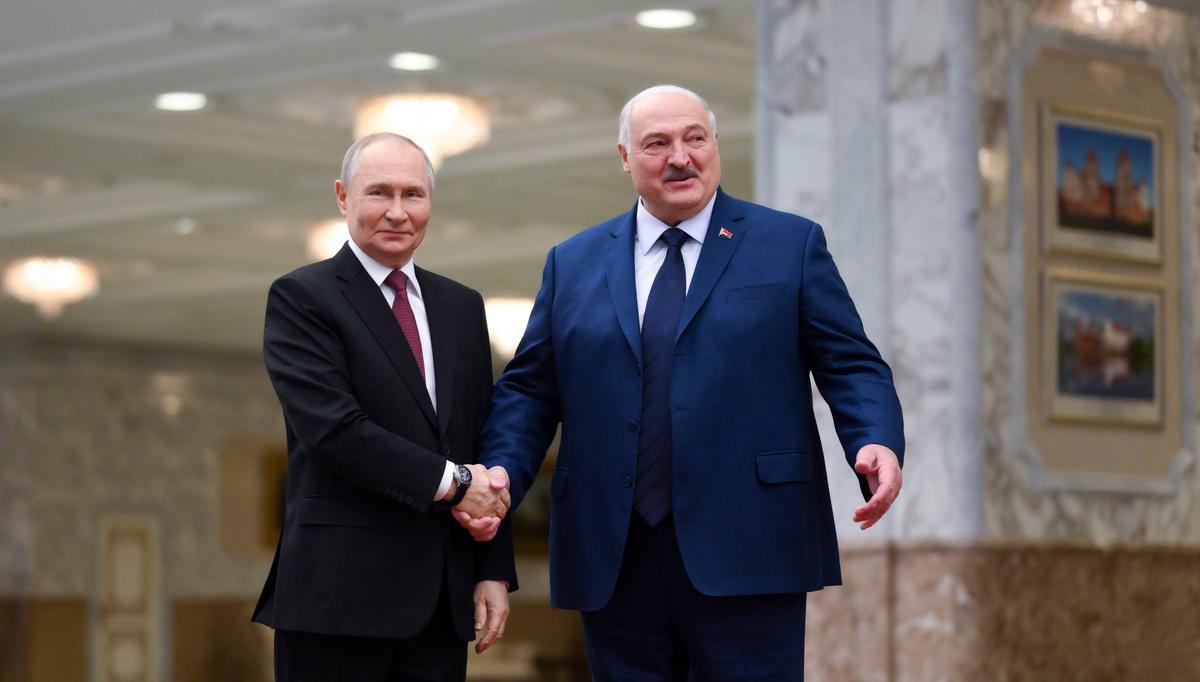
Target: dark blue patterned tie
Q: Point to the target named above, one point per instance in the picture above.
(652, 496)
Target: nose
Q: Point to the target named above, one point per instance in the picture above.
(679, 156)
(396, 212)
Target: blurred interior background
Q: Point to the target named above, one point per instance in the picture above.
(162, 162)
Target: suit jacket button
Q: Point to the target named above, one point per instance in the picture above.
(628, 481)
(633, 426)
(445, 450)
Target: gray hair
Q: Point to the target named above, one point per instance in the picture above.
(350, 160)
(627, 110)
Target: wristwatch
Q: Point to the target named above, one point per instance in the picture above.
(463, 476)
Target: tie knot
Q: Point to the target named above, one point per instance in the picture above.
(397, 280)
(674, 237)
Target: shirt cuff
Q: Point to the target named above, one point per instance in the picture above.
(445, 486)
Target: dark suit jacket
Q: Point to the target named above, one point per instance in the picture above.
(766, 309)
(364, 551)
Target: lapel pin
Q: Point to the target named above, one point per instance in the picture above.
(725, 233)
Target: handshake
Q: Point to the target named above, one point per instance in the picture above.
(486, 502)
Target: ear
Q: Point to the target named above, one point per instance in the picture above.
(624, 153)
(339, 190)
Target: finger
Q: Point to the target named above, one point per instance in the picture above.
(490, 635)
(484, 522)
(463, 518)
(864, 468)
(499, 476)
(480, 612)
(486, 532)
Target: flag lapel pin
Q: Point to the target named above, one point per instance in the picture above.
(725, 233)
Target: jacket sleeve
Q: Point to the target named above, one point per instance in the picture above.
(852, 377)
(494, 559)
(525, 408)
(306, 363)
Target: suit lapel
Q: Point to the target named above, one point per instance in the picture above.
(714, 256)
(443, 342)
(619, 272)
(368, 301)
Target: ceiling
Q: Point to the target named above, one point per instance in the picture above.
(190, 216)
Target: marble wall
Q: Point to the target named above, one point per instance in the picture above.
(90, 430)
(1016, 504)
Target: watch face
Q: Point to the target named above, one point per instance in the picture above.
(463, 474)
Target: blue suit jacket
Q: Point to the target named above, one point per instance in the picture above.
(766, 309)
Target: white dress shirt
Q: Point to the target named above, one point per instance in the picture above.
(649, 253)
(378, 273)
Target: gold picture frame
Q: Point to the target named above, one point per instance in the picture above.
(1101, 183)
(1103, 348)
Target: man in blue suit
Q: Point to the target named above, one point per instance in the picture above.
(674, 344)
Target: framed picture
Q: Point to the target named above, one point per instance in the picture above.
(1104, 349)
(1101, 184)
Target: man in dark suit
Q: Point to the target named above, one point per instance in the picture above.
(675, 345)
(384, 374)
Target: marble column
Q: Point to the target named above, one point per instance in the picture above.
(866, 125)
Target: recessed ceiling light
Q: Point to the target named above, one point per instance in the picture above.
(665, 18)
(413, 61)
(181, 101)
(185, 225)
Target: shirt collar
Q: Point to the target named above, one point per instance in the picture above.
(379, 272)
(649, 228)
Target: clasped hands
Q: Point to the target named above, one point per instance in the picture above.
(486, 502)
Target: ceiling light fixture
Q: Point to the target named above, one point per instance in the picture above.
(506, 321)
(327, 238)
(51, 283)
(443, 124)
(1109, 14)
(413, 61)
(185, 226)
(665, 19)
(181, 101)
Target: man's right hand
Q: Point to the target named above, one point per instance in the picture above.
(482, 499)
(483, 527)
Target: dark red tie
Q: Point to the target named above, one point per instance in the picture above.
(401, 308)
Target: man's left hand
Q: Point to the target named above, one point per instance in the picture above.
(491, 612)
(882, 469)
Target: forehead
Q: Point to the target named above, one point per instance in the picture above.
(390, 161)
(666, 110)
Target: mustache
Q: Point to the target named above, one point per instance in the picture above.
(680, 173)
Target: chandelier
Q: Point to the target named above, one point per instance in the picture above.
(506, 321)
(443, 124)
(1109, 13)
(51, 283)
(327, 238)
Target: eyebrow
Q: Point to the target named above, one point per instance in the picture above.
(387, 186)
(660, 133)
